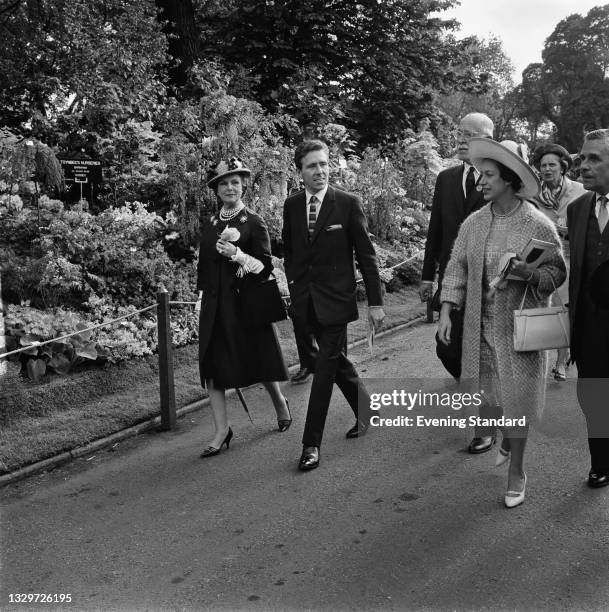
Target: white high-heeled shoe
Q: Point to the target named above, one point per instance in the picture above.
(502, 456)
(515, 498)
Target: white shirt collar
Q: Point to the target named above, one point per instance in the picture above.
(320, 195)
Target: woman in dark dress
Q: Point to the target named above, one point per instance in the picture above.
(234, 243)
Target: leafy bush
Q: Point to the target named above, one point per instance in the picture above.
(118, 254)
(27, 327)
(395, 187)
(125, 339)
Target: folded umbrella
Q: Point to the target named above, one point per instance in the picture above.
(244, 404)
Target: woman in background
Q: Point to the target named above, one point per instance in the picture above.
(557, 191)
(234, 243)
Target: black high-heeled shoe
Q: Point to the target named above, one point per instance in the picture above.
(210, 451)
(284, 424)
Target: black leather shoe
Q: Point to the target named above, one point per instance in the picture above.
(309, 459)
(596, 480)
(481, 445)
(301, 376)
(359, 429)
(210, 451)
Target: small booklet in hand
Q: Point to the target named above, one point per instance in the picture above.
(535, 253)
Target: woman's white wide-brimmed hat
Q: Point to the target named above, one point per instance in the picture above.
(505, 153)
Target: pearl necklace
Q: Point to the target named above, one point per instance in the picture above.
(230, 214)
(509, 213)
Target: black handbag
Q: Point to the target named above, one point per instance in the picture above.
(261, 302)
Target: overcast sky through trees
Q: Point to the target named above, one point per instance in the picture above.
(523, 25)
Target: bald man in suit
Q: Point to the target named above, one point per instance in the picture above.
(455, 198)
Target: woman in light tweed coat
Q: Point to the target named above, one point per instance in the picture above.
(512, 381)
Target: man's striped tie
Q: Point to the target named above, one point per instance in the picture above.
(312, 214)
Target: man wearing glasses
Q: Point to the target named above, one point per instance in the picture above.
(455, 197)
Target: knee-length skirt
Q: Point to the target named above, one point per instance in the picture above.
(239, 357)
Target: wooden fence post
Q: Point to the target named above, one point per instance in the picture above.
(3, 365)
(167, 390)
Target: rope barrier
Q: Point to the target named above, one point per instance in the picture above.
(132, 314)
(406, 260)
(76, 333)
(359, 280)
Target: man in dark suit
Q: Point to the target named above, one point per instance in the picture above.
(455, 197)
(588, 227)
(323, 227)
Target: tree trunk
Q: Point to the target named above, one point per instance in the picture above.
(178, 18)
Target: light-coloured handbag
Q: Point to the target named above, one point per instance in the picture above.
(540, 329)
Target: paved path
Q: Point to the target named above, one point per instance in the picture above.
(402, 519)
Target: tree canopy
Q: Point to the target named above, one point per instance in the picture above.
(570, 87)
(375, 66)
(493, 89)
(79, 65)
(75, 71)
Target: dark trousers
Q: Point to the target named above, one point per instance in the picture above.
(592, 338)
(305, 344)
(331, 366)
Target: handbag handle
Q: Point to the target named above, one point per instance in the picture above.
(562, 304)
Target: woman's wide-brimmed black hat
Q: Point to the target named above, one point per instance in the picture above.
(599, 285)
(223, 168)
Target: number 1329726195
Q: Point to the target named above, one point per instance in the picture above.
(40, 597)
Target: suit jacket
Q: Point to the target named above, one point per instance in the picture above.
(448, 210)
(578, 213)
(322, 268)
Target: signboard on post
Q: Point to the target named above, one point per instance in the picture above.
(81, 176)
